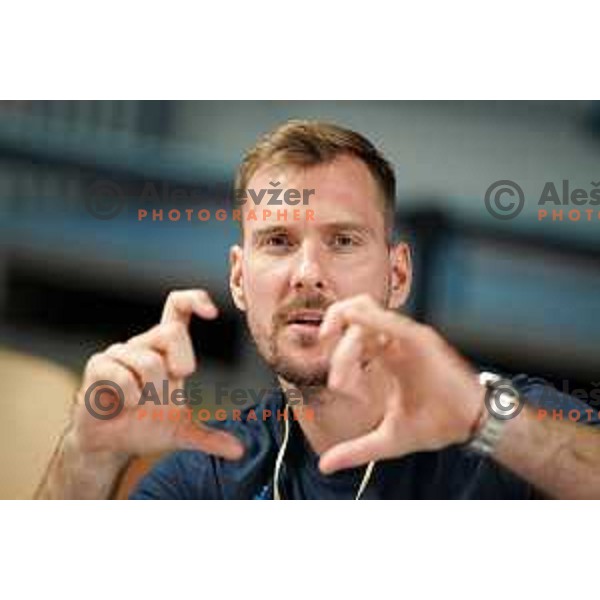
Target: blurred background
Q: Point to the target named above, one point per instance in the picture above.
(519, 295)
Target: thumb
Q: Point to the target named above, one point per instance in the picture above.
(196, 436)
(353, 453)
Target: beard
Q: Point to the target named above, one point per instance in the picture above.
(298, 373)
(290, 357)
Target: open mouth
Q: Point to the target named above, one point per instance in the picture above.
(306, 319)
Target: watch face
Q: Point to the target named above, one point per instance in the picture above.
(502, 400)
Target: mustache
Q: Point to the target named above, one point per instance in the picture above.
(306, 302)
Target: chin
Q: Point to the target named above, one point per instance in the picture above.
(298, 357)
(302, 371)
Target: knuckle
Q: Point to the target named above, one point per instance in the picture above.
(364, 300)
(115, 349)
(360, 302)
(426, 330)
(100, 368)
(172, 299)
(150, 361)
(95, 363)
(331, 310)
(173, 296)
(427, 333)
(178, 296)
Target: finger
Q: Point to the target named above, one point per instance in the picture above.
(182, 304)
(346, 358)
(101, 367)
(147, 365)
(335, 320)
(354, 354)
(196, 436)
(353, 453)
(333, 323)
(174, 342)
(389, 323)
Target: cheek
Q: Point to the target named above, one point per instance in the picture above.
(264, 286)
(371, 278)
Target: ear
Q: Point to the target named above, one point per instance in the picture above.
(236, 277)
(401, 274)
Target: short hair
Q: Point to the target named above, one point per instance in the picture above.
(304, 143)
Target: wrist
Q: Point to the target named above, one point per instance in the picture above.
(90, 473)
(478, 413)
(97, 459)
(473, 411)
(501, 402)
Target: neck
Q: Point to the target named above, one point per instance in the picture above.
(327, 418)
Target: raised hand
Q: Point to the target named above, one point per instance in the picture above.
(430, 396)
(95, 449)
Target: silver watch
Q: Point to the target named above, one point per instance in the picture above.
(502, 402)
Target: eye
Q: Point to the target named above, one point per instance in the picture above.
(277, 241)
(345, 240)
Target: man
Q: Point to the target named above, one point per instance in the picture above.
(395, 412)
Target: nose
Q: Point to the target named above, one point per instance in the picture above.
(308, 273)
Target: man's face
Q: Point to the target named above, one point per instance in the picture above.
(288, 272)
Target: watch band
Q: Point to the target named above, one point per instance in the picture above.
(496, 412)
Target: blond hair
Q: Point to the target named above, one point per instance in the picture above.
(302, 143)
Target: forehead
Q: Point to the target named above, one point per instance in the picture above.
(344, 191)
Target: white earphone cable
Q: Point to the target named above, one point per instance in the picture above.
(281, 454)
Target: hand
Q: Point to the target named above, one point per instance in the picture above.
(164, 352)
(430, 396)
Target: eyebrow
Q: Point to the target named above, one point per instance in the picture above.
(348, 226)
(260, 234)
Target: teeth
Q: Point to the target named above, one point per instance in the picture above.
(308, 321)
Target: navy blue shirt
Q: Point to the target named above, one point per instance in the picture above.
(451, 473)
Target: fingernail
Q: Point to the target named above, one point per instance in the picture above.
(237, 450)
(325, 470)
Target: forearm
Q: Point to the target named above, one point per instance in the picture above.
(73, 474)
(560, 459)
